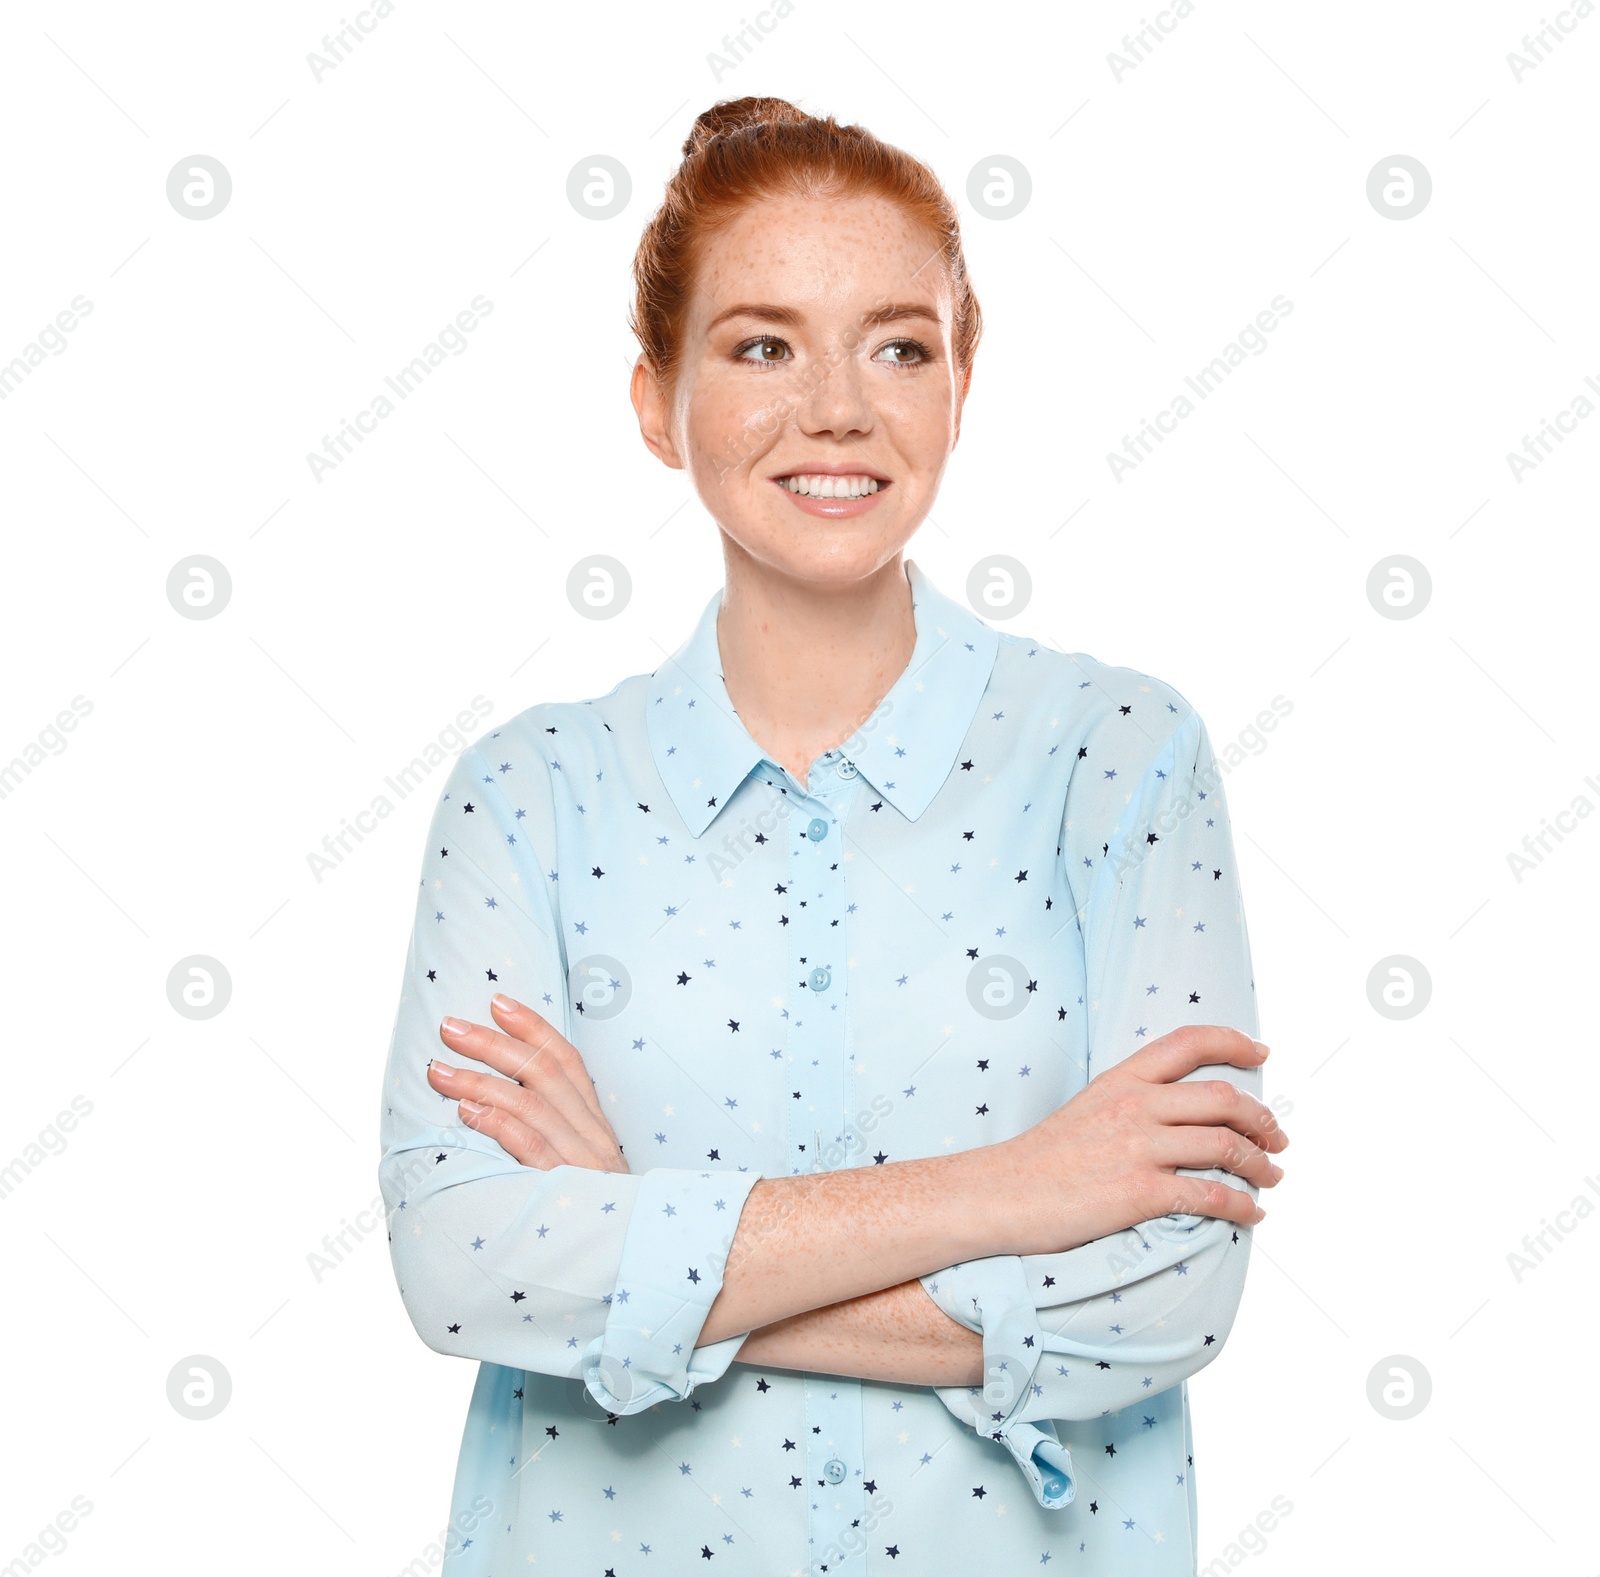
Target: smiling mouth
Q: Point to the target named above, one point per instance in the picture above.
(824, 486)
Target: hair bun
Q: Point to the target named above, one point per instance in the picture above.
(733, 115)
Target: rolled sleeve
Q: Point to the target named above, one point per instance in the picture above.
(573, 1272)
(992, 1297)
(671, 1270)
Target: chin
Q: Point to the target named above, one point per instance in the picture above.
(821, 554)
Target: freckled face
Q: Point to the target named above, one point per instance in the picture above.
(808, 377)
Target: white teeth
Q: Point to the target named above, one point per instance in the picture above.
(831, 486)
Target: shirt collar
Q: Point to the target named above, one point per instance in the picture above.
(905, 750)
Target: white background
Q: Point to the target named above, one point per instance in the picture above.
(1168, 208)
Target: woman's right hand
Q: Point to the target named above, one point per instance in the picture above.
(1106, 1160)
(544, 1113)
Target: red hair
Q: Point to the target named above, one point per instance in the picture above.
(742, 151)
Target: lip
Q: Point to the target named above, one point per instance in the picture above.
(843, 468)
(833, 508)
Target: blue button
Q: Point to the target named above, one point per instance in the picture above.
(821, 978)
(818, 830)
(834, 1471)
(847, 769)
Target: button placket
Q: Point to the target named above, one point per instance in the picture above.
(818, 1046)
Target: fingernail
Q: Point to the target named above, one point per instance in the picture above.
(1265, 1048)
(1261, 1215)
(504, 1003)
(472, 1108)
(443, 1071)
(454, 1026)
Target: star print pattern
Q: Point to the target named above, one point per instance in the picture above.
(1017, 872)
(1085, 1333)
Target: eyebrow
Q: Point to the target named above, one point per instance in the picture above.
(793, 319)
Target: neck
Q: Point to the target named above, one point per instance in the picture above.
(805, 664)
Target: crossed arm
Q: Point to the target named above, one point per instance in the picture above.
(824, 1270)
(898, 1334)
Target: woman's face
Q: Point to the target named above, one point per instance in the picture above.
(793, 367)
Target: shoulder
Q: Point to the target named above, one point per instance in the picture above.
(555, 731)
(1127, 737)
(516, 777)
(1120, 716)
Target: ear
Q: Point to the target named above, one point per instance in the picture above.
(650, 406)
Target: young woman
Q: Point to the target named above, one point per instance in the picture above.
(848, 1133)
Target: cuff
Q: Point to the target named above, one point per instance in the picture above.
(992, 1296)
(670, 1273)
(1045, 1463)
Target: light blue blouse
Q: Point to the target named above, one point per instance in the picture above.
(1016, 873)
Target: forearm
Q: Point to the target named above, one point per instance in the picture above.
(898, 1334)
(820, 1239)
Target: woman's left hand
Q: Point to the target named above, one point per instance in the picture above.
(548, 1113)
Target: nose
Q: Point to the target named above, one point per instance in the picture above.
(837, 401)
